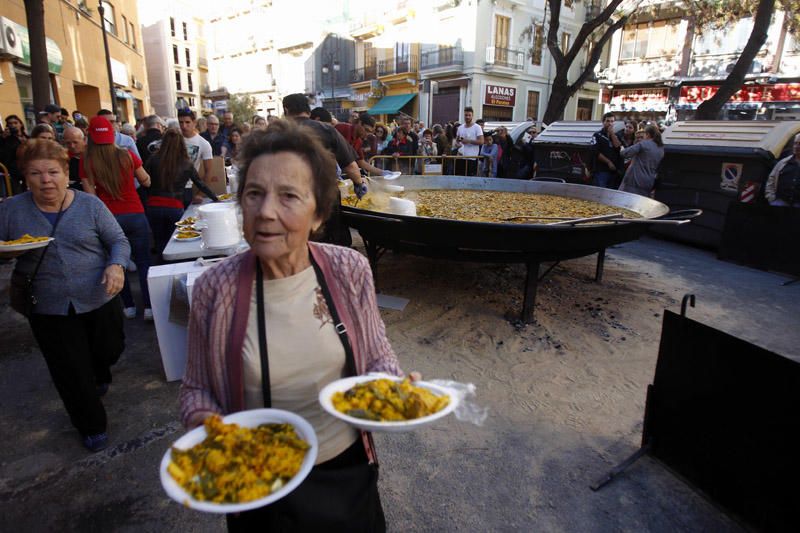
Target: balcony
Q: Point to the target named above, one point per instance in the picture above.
(398, 65)
(505, 60)
(443, 60)
(363, 74)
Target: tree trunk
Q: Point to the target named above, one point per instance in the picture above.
(40, 75)
(559, 97)
(709, 109)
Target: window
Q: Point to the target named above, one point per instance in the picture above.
(650, 39)
(175, 54)
(188, 58)
(172, 26)
(502, 26)
(191, 101)
(189, 84)
(533, 105)
(178, 81)
(185, 32)
(133, 36)
(125, 27)
(109, 21)
(538, 44)
(565, 38)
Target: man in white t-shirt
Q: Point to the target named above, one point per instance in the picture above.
(199, 149)
(470, 139)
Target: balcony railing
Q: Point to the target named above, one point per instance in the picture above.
(398, 65)
(452, 56)
(505, 57)
(363, 74)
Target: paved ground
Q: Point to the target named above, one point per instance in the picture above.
(566, 397)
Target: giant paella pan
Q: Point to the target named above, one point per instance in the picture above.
(507, 236)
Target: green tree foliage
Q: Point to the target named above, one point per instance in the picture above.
(243, 107)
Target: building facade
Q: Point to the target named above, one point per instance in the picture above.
(174, 44)
(663, 67)
(437, 57)
(76, 59)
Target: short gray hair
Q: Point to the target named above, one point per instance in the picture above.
(127, 129)
(73, 129)
(151, 121)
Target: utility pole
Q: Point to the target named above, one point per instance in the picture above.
(101, 10)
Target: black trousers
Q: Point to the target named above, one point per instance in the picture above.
(79, 350)
(338, 495)
(466, 167)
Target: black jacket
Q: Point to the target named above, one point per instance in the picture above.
(143, 144)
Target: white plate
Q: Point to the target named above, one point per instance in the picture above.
(250, 419)
(342, 385)
(392, 176)
(25, 247)
(187, 240)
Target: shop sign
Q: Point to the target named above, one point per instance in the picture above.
(119, 72)
(500, 95)
(779, 92)
(54, 58)
(639, 98)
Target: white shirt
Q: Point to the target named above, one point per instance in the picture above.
(305, 354)
(199, 150)
(472, 133)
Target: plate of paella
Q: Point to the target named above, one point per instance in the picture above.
(184, 234)
(388, 404)
(240, 462)
(25, 243)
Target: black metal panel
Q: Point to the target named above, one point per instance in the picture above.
(723, 414)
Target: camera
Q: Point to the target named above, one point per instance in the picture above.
(13, 131)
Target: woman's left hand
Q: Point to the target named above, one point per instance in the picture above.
(113, 279)
(414, 376)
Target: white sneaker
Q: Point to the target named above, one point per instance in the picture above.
(129, 312)
(131, 266)
(148, 314)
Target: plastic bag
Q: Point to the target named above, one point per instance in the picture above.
(468, 409)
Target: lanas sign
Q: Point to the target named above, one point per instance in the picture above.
(500, 95)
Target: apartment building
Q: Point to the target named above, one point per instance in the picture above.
(662, 67)
(76, 58)
(175, 48)
(430, 59)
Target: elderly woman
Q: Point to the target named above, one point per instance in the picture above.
(314, 306)
(640, 177)
(76, 318)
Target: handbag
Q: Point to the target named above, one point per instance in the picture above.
(338, 495)
(20, 289)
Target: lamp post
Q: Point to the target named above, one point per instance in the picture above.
(101, 10)
(331, 67)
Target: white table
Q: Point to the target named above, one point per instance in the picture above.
(178, 250)
(172, 337)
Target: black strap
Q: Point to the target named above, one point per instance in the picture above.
(55, 225)
(350, 362)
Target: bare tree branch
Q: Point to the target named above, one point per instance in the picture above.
(597, 51)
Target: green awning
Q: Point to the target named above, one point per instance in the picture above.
(390, 105)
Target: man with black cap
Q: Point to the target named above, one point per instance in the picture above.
(295, 107)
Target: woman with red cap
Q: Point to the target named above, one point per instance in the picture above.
(108, 171)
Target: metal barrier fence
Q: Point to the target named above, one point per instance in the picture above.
(435, 165)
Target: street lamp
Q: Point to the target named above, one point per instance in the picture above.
(331, 67)
(102, 10)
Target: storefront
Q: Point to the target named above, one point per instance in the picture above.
(498, 103)
(641, 103)
(754, 101)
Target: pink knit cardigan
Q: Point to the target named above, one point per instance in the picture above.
(213, 382)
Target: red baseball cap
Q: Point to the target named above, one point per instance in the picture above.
(101, 131)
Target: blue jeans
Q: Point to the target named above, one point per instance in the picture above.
(604, 179)
(162, 221)
(137, 230)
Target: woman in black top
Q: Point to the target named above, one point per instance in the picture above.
(170, 170)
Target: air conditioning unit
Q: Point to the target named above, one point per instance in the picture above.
(135, 83)
(10, 42)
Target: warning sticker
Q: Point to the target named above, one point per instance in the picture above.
(731, 172)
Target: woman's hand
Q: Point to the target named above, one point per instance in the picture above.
(113, 279)
(414, 376)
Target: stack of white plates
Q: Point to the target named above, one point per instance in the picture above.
(220, 225)
(401, 206)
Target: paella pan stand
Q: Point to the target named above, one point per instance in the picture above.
(529, 244)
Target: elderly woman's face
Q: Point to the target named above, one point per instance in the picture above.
(278, 206)
(47, 180)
